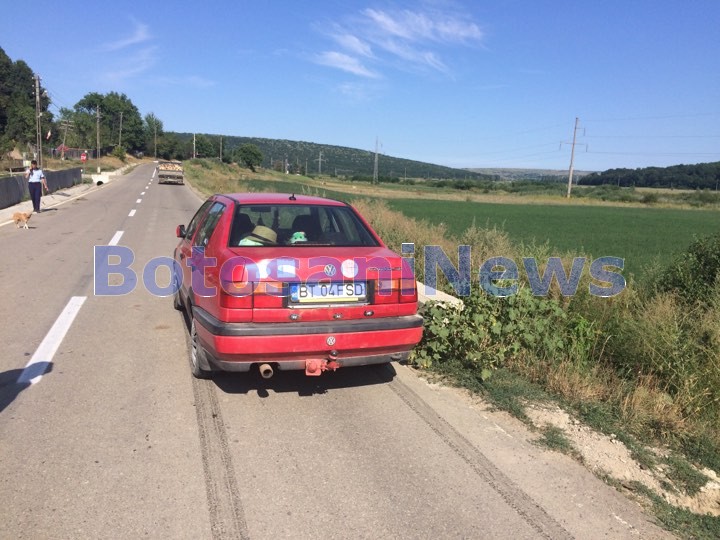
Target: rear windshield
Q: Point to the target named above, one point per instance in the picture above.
(298, 225)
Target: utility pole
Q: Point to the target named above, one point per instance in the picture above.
(572, 158)
(120, 140)
(155, 131)
(220, 147)
(97, 130)
(38, 130)
(375, 166)
(193, 146)
(320, 160)
(66, 125)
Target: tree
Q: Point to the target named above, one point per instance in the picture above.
(249, 155)
(115, 110)
(153, 128)
(85, 121)
(171, 147)
(17, 104)
(204, 147)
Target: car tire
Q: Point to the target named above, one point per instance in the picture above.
(195, 351)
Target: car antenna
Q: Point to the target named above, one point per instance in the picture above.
(293, 198)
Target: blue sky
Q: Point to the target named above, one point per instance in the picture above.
(484, 83)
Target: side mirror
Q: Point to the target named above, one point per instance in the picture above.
(180, 231)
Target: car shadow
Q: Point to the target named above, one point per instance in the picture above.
(14, 381)
(303, 385)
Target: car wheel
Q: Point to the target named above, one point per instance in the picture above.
(195, 351)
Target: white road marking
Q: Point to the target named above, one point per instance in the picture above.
(116, 238)
(41, 360)
(138, 201)
(143, 193)
(132, 213)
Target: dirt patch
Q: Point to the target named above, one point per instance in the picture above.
(605, 454)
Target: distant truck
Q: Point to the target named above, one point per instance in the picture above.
(170, 172)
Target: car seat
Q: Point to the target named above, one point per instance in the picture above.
(240, 227)
(308, 225)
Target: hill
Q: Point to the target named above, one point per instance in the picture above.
(314, 158)
(704, 176)
(552, 175)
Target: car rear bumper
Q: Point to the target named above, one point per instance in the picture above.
(301, 365)
(236, 346)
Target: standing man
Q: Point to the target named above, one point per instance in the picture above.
(36, 182)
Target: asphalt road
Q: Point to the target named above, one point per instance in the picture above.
(105, 434)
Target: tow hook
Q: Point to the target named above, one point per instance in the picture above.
(314, 368)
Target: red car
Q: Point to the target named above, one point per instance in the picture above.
(291, 282)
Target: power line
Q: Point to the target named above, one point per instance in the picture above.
(665, 117)
(656, 153)
(652, 136)
(518, 149)
(514, 158)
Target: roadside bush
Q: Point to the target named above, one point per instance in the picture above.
(693, 274)
(650, 198)
(488, 331)
(120, 153)
(677, 347)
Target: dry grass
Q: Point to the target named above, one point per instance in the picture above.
(578, 384)
(647, 404)
(218, 178)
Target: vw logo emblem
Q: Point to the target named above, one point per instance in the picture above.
(330, 341)
(329, 270)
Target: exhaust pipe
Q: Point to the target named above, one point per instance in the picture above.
(266, 371)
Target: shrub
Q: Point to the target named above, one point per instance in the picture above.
(650, 198)
(693, 274)
(489, 331)
(119, 152)
(676, 347)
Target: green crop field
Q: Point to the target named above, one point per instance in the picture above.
(641, 236)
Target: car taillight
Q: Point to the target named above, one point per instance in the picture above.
(232, 301)
(393, 291)
(408, 290)
(246, 295)
(387, 291)
(269, 294)
(236, 292)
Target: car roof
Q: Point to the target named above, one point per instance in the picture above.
(280, 198)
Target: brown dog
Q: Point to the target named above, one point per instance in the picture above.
(21, 219)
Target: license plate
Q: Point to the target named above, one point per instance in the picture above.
(314, 293)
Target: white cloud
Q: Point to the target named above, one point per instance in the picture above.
(345, 62)
(190, 81)
(416, 39)
(133, 65)
(140, 35)
(354, 92)
(414, 26)
(354, 44)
